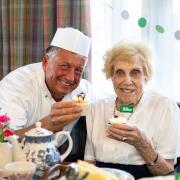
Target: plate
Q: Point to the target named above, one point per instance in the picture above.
(170, 177)
(120, 173)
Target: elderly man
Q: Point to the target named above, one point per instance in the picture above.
(39, 92)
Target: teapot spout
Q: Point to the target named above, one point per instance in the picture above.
(18, 154)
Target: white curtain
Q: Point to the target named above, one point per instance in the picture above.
(110, 26)
(162, 44)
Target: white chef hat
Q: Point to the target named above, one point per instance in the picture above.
(72, 40)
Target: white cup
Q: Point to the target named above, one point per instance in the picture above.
(20, 170)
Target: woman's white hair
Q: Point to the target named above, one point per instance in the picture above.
(124, 51)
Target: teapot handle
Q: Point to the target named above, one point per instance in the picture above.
(67, 152)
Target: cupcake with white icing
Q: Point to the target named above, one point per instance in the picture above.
(82, 100)
(117, 120)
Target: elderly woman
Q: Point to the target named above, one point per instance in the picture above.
(146, 145)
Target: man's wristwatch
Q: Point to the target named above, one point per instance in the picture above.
(151, 163)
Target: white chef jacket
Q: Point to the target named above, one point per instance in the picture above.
(25, 98)
(157, 116)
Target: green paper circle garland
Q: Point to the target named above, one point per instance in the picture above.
(142, 22)
(159, 29)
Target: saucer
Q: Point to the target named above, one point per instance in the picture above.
(120, 173)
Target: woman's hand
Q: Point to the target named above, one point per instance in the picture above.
(130, 134)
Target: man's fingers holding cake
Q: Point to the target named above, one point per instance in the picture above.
(64, 104)
(67, 111)
(65, 115)
(68, 107)
(65, 119)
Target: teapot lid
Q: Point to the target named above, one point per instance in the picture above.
(38, 131)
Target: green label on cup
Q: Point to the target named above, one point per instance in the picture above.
(128, 108)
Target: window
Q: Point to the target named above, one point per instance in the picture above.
(115, 20)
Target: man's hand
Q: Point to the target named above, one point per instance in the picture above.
(62, 113)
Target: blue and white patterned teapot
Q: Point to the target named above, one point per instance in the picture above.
(40, 148)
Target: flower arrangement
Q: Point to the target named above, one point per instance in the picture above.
(5, 130)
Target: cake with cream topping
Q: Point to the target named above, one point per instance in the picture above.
(82, 100)
(118, 120)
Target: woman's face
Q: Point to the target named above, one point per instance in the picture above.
(128, 80)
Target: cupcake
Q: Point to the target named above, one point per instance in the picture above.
(82, 100)
(118, 120)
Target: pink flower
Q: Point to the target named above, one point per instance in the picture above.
(5, 130)
(8, 132)
(1, 126)
(4, 118)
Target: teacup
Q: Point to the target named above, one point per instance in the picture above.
(20, 170)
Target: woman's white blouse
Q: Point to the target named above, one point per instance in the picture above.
(157, 116)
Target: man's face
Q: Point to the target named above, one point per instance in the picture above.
(128, 80)
(63, 72)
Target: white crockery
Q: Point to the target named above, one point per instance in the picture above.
(20, 170)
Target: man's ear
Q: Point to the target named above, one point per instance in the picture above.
(45, 62)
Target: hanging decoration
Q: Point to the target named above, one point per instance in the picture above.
(125, 14)
(159, 28)
(142, 22)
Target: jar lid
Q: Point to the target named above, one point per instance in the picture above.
(38, 131)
